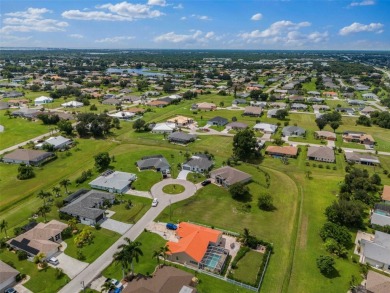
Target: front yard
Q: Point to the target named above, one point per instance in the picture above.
(139, 206)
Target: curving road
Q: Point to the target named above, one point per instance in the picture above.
(94, 269)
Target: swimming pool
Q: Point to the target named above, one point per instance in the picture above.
(211, 261)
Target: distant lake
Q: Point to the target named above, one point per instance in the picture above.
(144, 71)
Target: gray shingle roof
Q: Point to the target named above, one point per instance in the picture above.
(199, 161)
(181, 136)
(157, 162)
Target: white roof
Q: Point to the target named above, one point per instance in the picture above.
(115, 180)
(266, 127)
(166, 126)
(43, 98)
(72, 104)
(122, 115)
(57, 140)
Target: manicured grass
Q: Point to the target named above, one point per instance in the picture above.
(310, 86)
(232, 215)
(140, 205)
(173, 188)
(103, 239)
(195, 177)
(147, 264)
(17, 130)
(41, 280)
(248, 267)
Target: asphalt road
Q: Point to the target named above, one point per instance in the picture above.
(94, 269)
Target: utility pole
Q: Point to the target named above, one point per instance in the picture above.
(170, 210)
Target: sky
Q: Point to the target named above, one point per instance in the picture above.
(197, 24)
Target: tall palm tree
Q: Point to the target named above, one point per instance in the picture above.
(64, 183)
(129, 252)
(4, 227)
(164, 252)
(245, 237)
(43, 195)
(43, 210)
(156, 255)
(107, 287)
(56, 190)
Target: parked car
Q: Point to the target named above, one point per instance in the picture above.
(10, 290)
(171, 226)
(154, 202)
(53, 261)
(206, 182)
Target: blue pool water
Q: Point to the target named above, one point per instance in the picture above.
(213, 261)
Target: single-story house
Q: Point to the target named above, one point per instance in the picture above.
(386, 193)
(157, 162)
(356, 102)
(4, 105)
(72, 104)
(198, 163)
(7, 276)
(45, 238)
(321, 108)
(381, 215)
(165, 127)
(227, 176)
(218, 121)
(315, 100)
(136, 111)
(28, 157)
(293, 131)
(194, 243)
(181, 137)
(368, 110)
(321, 154)
(349, 111)
(377, 251)
(258, 104)
(361, 158)
(58, 142)
(278, 105)
(361, 87)
(86, 207)
(112, 101)
(271, 113)
(253, 111)
(320, 134)
(181, 121)
(130, 99)
(113, 181)
(13, 94)
(205, 106)
(123, 115)
(282, 151)
(314, 93)
(42, 100)
(26, 113)
(298, 106)
(236, 126)
(158, 103)
(329, 94)
(377, 283)
(166, 279)
(266, 127)
(369, 96)
(359, 137)
(239, 102)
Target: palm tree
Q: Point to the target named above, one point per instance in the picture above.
(3, 227)
(43, 210)
(43, 195)
(156, 255)
(107, 287)
(39, 258)
(64, 183)
(245, 237)
(164, 252)
(129, 251)
(72, 223)
(56, 190)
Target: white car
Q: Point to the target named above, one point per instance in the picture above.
(53, 261)
(154, 202)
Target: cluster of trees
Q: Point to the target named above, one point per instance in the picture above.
(95, 125)
(140, 125)
(102, 161)
(25, 172)
(65, 126)
(382, 119)
(239, 191)
(258, 95)
(281, 114)
(337, 238)
(69, 91)
(245, 145)
(363, 120)
(333, 119)
(189, 95)
(49, 119)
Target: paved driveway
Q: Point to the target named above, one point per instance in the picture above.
(71, 266)
(157, 189)
(183, 174)
(116, 226)
(21, 289)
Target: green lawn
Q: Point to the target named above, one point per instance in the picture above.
(173, 188)
(103, 239)
(41, 280)
(17, 130)
(195, 177)
(248, 267)
(140, 206)
(310, 86)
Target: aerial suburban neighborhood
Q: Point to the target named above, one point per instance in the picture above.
(178, 171)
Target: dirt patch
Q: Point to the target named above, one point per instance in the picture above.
(303, 232)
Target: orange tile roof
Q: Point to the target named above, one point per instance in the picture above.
(194, 240)
(386, 193)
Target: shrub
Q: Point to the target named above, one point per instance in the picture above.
(320, 166)
(59, 273)
(325, 264)
(22, 255)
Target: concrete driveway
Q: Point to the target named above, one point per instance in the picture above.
(116, 226)
(157, 189)
(21, 289)
(71, 266)
(183, 174)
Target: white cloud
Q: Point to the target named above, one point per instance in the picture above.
(114, 39)
(197, 36)
(201, 17)
(179, 6)
(358, 27)
(362, 3)
(275, 29)
(76, 36)
(183, 18)
(257, 17)
(157, 3)
(31, 20)
(123, 11)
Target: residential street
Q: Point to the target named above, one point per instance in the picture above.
(95, 268)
